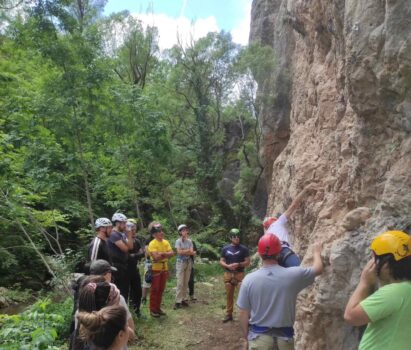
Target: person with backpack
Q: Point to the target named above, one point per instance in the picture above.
(278, 227)
(119, 245)
(185, 251)
(235, 257)
(268, 297)
(147, 275)
(387, 311)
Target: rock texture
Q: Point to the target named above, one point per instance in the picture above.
(342, 118)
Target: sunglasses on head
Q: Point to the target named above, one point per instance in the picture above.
(156, 229)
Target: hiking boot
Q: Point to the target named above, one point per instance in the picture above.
(154, 314)
(184, 303)
(177, 306)
(162, 313)
(193, 298)
(227, 318)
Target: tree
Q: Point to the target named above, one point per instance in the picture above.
(202, 76)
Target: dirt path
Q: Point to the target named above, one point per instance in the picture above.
(196, 327)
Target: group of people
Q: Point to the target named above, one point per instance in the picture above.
(112, 279)
(267, 296)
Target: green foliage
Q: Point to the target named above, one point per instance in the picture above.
(92, 121)
(17, 295)
(204, 272)
(43, 326)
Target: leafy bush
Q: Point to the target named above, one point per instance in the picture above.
(204, 272)
(44, 326)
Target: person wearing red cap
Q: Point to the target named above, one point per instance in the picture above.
(268, 296)
(278, 227)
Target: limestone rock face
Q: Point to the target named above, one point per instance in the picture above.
(342, 119)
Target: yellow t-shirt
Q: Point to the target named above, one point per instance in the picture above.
(159, 247)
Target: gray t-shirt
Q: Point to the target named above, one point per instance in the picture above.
(180, 244)
(270, 294)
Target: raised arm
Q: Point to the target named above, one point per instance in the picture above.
(298, 199)
(317, 264)
(354, 313)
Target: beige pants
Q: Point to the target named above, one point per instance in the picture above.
(266, 342)
(183, 271)
(231, 281)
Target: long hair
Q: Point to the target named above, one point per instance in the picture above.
(93, 296)
(102, 327)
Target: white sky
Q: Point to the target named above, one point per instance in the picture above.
(169, 28)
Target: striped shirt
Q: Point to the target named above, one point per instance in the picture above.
(98, 249)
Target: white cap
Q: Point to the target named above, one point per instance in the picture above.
(181, 227)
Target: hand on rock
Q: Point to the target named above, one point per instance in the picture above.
(312, 187)
(317, 248)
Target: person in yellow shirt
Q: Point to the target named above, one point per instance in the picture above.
(160, 251)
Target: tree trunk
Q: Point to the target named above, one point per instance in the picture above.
(89, 202)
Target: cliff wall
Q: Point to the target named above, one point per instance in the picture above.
(341, 117)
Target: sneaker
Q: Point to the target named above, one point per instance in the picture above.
(184, 303)
(177, 306)
(154, 314)
(162, 313)
(227, 318)
(193, 298)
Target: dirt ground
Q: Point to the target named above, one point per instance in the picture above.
(197, 327)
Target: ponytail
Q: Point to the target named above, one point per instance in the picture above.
(93, 296)
(102, 327)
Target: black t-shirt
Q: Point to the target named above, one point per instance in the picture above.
(134, 254)
(117, 255)
(98, 249)
(235, 254)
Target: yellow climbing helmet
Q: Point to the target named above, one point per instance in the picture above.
(397, 243)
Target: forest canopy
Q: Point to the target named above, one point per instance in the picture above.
(94, 119)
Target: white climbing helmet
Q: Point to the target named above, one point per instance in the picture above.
(119, 217)
(181, 227)
(103, 222)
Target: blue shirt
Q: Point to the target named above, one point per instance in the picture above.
(235, 254)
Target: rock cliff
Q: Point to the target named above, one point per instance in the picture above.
(341, 117)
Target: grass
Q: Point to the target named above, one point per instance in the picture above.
(178, 329)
